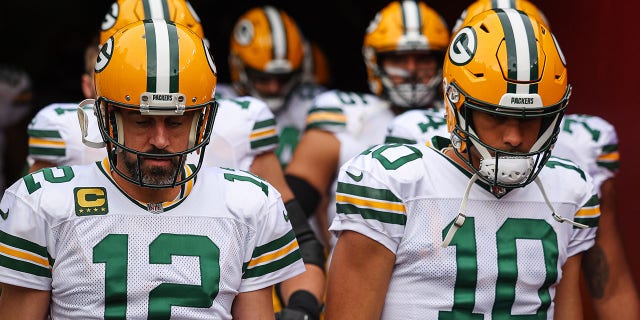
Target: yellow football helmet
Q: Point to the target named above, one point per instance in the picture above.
(266, 42)
(124, 12)
(161, 69)
(506, 63)
(404, 26)
(484, 5)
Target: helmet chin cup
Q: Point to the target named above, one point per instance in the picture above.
(511, 170)
(274, 103)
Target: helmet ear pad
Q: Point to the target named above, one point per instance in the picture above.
(195, 133)
(201, 124)
(117, 127)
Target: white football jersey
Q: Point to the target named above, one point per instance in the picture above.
(417, 126)
(71, 230)
(290, 119)
(592, 143)
(358, 121)
(55, 136)
(505, 260)
(244, 127)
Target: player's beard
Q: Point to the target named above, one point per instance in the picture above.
(153, 174)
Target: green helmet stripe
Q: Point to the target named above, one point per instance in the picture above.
(522, 53)
(163, 56)
(411, 19)
(278, 33)
(533, 52)
(150, 36)
(156, 9)
(502, 4)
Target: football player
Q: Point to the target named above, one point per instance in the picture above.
(54, 136)
(244, 139)
(403, 51)
(489, 227)
(589, 141)
(137, 235)
(267, 58)
(267, 54)
(592, 142)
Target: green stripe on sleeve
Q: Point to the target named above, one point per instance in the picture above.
(390, 139)
(274, 245)
(592, 202)
(366, 192)
(47, 151)
(590, 222)
(24, 266)
(23, 244)
(336, 110)
(261, 270)
(382, 216)
(612, 166)
(272, 140)
(44, 133)
(264, 124)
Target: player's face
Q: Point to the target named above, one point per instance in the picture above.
(412, 67)
(157, 135)
(507, 133)
(270, 85)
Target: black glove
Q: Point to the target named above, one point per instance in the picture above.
(302, 306)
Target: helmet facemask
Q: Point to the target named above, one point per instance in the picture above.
(413, 92)
(266, 43)
(286, 78)
(111, 127)
(499, 167)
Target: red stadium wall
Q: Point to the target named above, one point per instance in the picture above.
(600, 42)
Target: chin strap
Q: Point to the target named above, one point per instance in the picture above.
(555, 216)
(461, 217)
(83, 119)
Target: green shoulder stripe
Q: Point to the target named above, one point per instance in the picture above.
(272, 266)
(271, 140)
(391, 139)
(382, 216)
(264, 124)
(589, 222)
(274, 245)
(44, 133)
(24, 266)
(47, 151)
(366, 192)
(23, 244)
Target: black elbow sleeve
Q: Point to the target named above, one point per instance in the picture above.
(311, 248)
(306, 194)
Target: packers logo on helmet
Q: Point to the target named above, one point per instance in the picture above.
(104, 56)
(463, 46)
